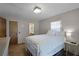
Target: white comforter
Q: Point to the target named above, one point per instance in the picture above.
(44, 44)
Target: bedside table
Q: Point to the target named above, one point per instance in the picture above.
(71, 46)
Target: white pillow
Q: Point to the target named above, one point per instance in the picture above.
(54, 33)
(50, 32)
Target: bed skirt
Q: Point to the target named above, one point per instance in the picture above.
(60, 53)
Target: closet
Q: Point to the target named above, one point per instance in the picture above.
(2, 27)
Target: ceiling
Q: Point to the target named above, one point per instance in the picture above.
(25, 10)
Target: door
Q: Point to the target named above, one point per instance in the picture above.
(13, 30)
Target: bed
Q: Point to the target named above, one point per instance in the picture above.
(44, 45)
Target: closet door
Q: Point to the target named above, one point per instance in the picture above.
(2, 27)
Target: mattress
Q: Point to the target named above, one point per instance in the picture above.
(44, 45)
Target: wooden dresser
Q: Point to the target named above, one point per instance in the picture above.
(2, 27)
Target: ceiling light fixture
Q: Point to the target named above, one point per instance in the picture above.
(37, 10)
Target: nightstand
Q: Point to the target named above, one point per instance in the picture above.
(71, 46)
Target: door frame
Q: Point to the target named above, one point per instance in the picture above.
(16, 32)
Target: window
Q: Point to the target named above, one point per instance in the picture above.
(31, 28)
(56, 26)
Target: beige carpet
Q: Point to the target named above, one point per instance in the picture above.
(17, 50)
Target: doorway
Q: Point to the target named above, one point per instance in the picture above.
(13, 32)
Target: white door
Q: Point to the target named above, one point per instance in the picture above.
(22, 31)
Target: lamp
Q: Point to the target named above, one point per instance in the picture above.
(37, 10)
(68, 33)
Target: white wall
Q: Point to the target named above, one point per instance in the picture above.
(70, 20)
(7, 28)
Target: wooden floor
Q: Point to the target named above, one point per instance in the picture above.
(17, 50)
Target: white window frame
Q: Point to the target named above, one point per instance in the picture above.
(56, 26)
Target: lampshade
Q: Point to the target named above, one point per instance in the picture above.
(69, 32)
